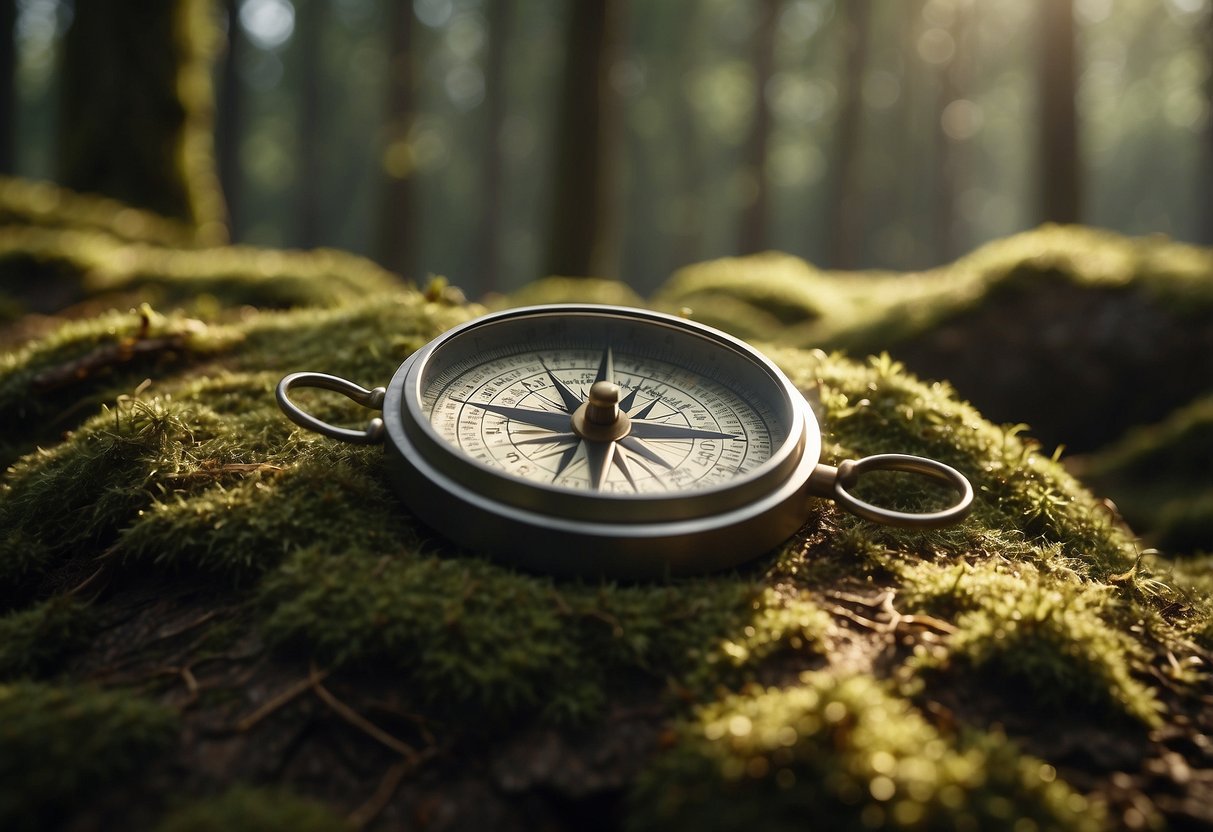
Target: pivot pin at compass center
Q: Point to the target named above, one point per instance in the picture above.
(599, 419)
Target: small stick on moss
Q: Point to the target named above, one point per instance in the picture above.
(106, 357)
(356, 719)
(191, 686)
(278, 701)
(896, 619)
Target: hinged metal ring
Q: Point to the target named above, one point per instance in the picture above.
(373, 433)
(849, 472)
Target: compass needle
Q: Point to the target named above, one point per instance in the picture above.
(598, 457)
(621, 462)
(571, 400)
(661, 430)
(606, 366)
(646, 410)
(640, 449)
(539, 418)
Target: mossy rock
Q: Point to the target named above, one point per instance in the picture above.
(251, 617)
(1160, 476)
(1077, 332)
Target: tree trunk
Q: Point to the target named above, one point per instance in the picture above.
(230, 122)
(137, 112)
(585, 223)
(396, 243)
(309, 31)
(756, 217)
(953, 78)
(845, 226)
(8, 86)
(1204, 203)
(1060, 163)
(500, 19)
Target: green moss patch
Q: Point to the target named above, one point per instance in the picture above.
(245, 809)
(34, 641)
(59, 746)
(842, 753)
(1048, 641)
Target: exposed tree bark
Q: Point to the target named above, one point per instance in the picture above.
(309, 31)
(584, 227)
(756, 217)
(845, 226)
(396, 236)
(230, 121)
(500, 18)
(137, 117)
(1060, 188)
(8, 86)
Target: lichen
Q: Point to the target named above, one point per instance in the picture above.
(843, 753)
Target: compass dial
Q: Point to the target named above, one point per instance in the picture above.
(601, 414)
(673, 429)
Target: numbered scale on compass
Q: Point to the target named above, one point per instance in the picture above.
(600, 440)
(583, 421)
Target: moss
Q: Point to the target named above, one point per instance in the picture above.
(570, 290)
(72, 264)
(34, 642)
(750, 296)
(1050, 637)
(878, 407)
(74, 498)
(245, 809)
(250, 514)
(488, 643)
(24, 202)
(1159, 474)
(59, 746)
(844, 754)
(785, 622)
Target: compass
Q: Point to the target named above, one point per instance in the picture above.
(607, 441)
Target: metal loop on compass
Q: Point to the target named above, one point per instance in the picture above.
(371, 435)
(849, 472)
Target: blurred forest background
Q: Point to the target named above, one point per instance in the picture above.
(496, 141)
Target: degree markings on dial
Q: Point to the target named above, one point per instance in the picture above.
(570, 399)
(542, 431)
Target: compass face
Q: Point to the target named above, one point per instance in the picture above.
(542, 409)
(684, 430)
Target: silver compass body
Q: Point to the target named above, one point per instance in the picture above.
(595, 440)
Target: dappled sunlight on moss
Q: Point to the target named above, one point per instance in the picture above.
(844, 754)
(1050, 637)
